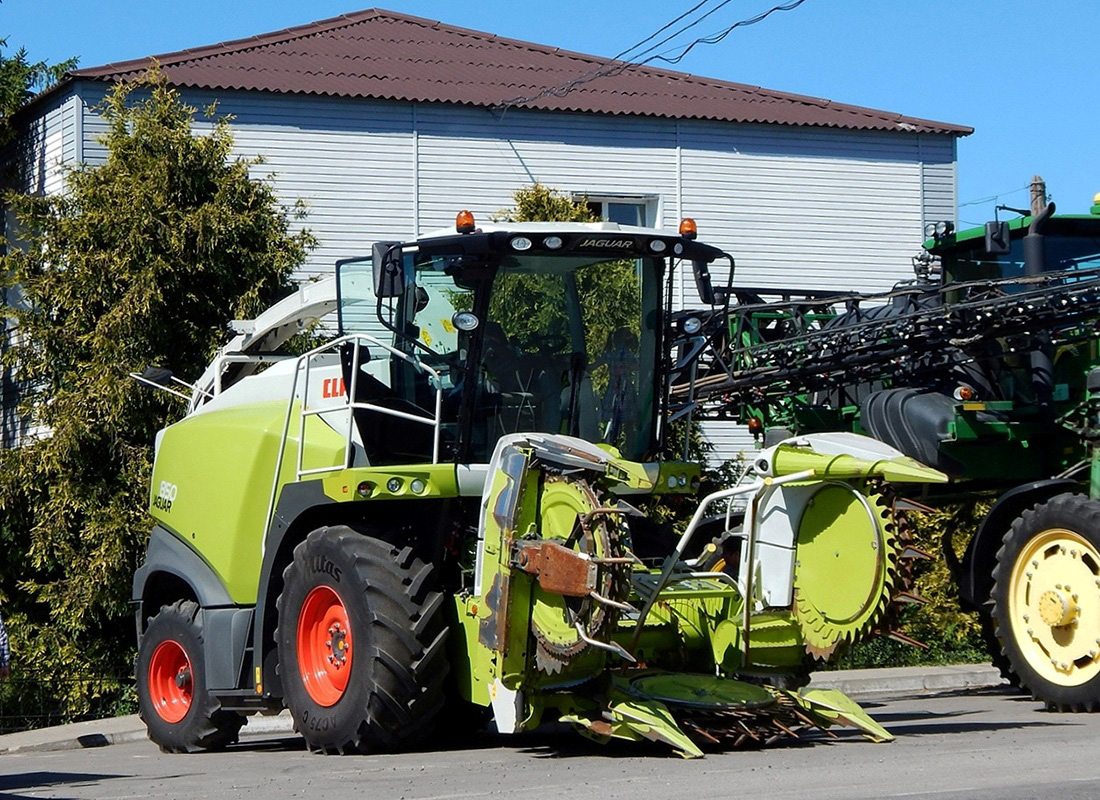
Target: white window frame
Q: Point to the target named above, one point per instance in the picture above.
(648, 204)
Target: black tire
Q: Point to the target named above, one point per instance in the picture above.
(993, 646)
(176, 630)
(395, 635)
(1047, 627)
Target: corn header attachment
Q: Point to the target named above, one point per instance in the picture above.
(987, 367)
(570, 619)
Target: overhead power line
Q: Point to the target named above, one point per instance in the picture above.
(621, 66)
(715, 38)
(660, 30)
(994, 197)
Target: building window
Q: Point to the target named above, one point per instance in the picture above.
(639, 211)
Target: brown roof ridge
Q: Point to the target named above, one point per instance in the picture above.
(323, 26)
(711, 98)
(237, 45)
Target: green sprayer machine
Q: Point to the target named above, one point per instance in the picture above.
(449, 511)
(985, 367)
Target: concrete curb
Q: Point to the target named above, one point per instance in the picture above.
(855, 683)
(909, 680)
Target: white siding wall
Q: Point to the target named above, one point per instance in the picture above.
(47, 149)
(47, 140)
(813, 208)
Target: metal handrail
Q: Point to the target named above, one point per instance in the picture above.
(306, 360)
(760, 486)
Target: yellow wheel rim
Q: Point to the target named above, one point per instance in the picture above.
(1054, 606)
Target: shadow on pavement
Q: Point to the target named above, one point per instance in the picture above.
(44, 779)
(935, 728)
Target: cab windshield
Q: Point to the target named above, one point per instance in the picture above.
(562, 344)
(1068, 244)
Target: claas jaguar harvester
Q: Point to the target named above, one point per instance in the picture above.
(437, 517)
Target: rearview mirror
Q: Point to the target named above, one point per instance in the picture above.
(702, 281)
(998, 240)
(389, 269)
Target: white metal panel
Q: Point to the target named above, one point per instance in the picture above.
(941, 196)
(470, 158)
(729, 440)
(39, 159)
(348, 162)
(820, 209)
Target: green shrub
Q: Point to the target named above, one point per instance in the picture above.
(143, 260)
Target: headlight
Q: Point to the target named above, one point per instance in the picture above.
(465, 320)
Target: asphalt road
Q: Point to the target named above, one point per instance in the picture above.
(976, 746)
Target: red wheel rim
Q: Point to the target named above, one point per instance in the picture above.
(171, 682)
(324, 646)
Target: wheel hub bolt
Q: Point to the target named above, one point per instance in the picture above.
(183, 677)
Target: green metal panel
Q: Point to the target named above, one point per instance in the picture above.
(212, 483)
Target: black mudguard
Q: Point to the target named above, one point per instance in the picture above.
(226, 626)
(974, 576)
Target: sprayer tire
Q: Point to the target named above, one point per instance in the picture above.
(361, 643)
(1046, 602)
(180, 714)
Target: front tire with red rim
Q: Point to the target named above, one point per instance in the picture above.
(181, 716)
(360, 641)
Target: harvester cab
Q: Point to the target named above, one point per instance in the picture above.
(449, 507)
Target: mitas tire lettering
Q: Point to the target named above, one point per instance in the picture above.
(322, 565)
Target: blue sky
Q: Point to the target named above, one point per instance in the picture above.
(1021, 73)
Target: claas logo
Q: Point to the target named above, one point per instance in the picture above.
(333, 387)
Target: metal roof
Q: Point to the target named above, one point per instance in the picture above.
(383, 55)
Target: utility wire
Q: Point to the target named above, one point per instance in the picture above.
(638, 56)
(715, 38)
(994, 197)
(621, 66)
(660, 30)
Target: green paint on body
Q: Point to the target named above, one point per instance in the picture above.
(790, 459)
(212, 484)
(392, 482)
(838, 553)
